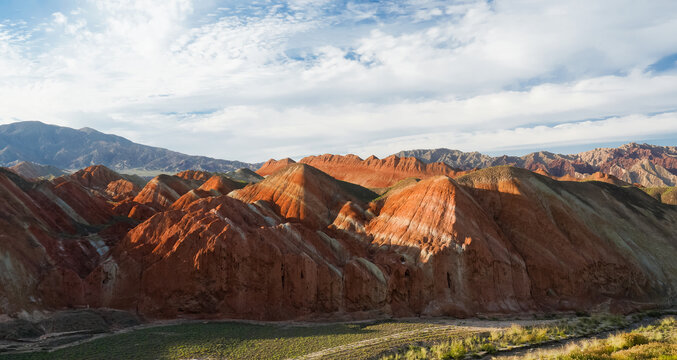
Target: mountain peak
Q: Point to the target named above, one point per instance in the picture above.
(272, 165)
(89, 130)
(373, 172)
(305, 194)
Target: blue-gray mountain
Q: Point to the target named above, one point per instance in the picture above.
(68, 148)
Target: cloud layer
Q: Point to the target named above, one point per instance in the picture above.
(253, 80)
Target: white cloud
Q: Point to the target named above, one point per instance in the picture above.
(311, 77)
(59, 18)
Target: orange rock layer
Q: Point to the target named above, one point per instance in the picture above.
(302, 243)
(273, 165)
(374, 172)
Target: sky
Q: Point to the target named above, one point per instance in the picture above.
(251, 80)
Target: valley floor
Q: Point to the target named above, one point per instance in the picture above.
(419, 338)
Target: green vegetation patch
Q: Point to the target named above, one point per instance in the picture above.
(666, 195)
(656, 341)
(472, 345)
(223, 340)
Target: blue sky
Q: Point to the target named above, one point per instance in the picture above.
(254, 80)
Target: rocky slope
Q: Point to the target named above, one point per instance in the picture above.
(68, 148)
(302, 193)
(273, 165)
(376, 173)
(244, 175)
(53, 235)
(33, 171)
(302, 244)
(648, 165)
(667, 195)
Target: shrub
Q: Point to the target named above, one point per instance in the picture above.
(647, 352)
(668, 322)
(627, 340)
(456, 351)
(488, 347)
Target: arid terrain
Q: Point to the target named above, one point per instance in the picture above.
(333, 238)
(297, 179)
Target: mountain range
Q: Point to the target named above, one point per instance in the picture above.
(648, 165)
(46, 149)
(72, 149)
(302, 243)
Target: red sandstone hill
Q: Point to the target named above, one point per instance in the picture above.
(95, 176)
(273, 165)
(303, 193)
(374, 172)
(302, 243)
(163, 190)
(198, 175)
(215, 186)
(52, 236)
(103, 182)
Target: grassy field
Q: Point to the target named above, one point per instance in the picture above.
(515, 336)
(224, 340)
(414, 339)
(656, 341)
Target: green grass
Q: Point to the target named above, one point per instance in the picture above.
(223, 340)
(656, 341)
(461, 346)
(409, 340)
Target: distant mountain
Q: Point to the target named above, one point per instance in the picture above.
(648, 165)
(68, 148)
(31, 170)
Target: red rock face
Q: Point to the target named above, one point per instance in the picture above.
(216, 185)
(51, 237)
(163, 190)
(95, 177)
(272, 166)
(242, 265)
(221, 184)
(578, 250)
(198, 175)
(374, 172)
(301, 193)
(189, 197)
(500, 240)
(122, 189)
(301, 244)
(102, 181)
(436, 224)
